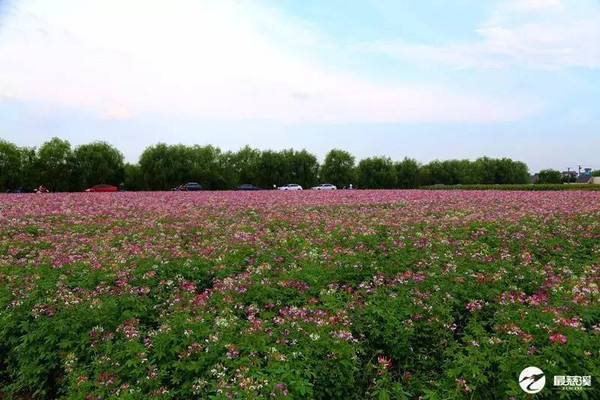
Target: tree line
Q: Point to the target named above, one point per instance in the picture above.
(60, 167)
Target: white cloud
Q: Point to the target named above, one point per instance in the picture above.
(212, 59)
(535, 34)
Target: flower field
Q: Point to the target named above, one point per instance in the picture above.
(311, 295)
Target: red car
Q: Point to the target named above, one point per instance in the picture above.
(102, 188)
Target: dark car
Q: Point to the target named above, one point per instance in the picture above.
(102, 188)
(192, 186)
(247, 186)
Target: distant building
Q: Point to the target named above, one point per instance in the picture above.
(585, 178)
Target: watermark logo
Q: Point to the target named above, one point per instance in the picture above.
(532, 380)
(572, 382)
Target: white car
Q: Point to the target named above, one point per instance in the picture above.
(325, 186)
(291, 186)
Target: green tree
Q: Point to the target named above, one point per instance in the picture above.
(206, 167)
(10, 166)
(484, 170)
(97, 163)
(449, 172)
(407, 173)
(500, 171)
(376, 173)
(513, 172)
(133, 179)
(54, 165)
(287, 166)
(163, 166)
(229, 176)
(549, 176)
(338, 168)
(245, 164)
(159, 168)
(301, 167)
(433, 173)
(28, 168)
(272, 169)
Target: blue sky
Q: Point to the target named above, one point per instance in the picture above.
(424, 79)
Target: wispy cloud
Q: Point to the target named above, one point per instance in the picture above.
(535, 34)
(217, 60)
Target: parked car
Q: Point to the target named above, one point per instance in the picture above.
(102, 188)
(324, 186)
(192, 186)
(290, 186)
(247, 186)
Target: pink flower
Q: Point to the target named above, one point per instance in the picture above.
(188, 286)
(464, 384)
(385, 362)
(556, 338)
(475, 305)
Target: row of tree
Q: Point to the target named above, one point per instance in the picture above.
(59, 167)
(553, 176)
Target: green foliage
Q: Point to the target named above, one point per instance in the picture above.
(271, 169)
(338, 168)
(287, 166)
(500, 171)
(97, 163)
(484, 170)
(325, 301)
(163, 166)
(28, 168)
(133, 178)
(54, 165)
(449, 172)
(376, 173)
(245, 165)
(549, 176)
(407, 173)
(19, 167)
(302, 167)
(10, 166)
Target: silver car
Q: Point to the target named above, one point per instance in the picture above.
(291, 186)
(324, 186)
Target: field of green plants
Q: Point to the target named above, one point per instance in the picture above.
(301, 295)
